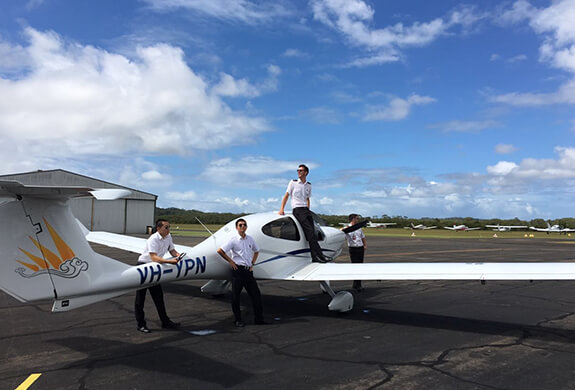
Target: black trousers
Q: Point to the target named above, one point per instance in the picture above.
(243, 278)
(305, 219)
(356, 256)
(158, 297)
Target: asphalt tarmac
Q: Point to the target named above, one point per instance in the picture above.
(400, 335)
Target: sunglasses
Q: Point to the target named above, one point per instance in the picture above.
(241, 224)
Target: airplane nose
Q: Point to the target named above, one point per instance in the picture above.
(333, 243)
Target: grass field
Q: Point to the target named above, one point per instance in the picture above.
(195, 230)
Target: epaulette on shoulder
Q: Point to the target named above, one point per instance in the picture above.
(309, 182)
(294, 180)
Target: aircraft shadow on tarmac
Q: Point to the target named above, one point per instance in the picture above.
(291, 309)
(152, 356)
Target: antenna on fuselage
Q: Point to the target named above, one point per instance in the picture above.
(211, 234)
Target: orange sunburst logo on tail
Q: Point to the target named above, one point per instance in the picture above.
(64, 264)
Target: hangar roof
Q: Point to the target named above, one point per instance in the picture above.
(66, 178)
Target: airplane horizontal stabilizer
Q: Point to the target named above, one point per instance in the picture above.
(127, 243)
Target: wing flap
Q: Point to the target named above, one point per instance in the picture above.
(435, 271)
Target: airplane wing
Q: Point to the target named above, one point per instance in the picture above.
(127, 243)
(476, 228)
(448, 228)
(435, 271)
(539, 229)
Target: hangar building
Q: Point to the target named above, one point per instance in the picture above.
(132, 214)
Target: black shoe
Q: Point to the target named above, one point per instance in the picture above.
(261, 322)
(239, 324)
(171, 325)
(144, 329)
(319, 260)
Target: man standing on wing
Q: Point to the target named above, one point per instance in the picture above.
(300, 192)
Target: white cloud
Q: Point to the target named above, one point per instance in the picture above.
(377, 59)
(505, 149)
(228, 86)
(322, 115)
(136, 173)
(181, 196)
(397, 108)
(253, 171)
(502, 168)
(565, 94)
(72, 100)
(465, 126)
(354, 19)
(507, 189)
(152, 175)
(517, 58)
(555, 24)
(294, 53)
(244, 11)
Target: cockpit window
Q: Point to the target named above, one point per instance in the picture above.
(284, 228)
(319, 220)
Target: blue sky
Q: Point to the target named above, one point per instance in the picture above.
(421, 109)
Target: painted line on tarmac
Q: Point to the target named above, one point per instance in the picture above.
(28, 382)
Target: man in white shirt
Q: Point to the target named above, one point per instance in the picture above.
(357, 245)
(156, 247)
(300, 192)
(244, 253)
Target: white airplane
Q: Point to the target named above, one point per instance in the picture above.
(379, 224)
(504, 228)
(552, 229)
(373, 224)
(420, 227)
(45, 255)
(462, 228)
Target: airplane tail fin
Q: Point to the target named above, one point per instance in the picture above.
(44, 254)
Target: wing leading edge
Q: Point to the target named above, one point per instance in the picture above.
(435, 271)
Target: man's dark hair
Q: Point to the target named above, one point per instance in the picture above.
(352, 216)
(304, 167)
(240, 220)
(160, 223)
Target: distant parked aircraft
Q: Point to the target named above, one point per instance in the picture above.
(505, 228)
(552, 229)
(374, 224)
(380, 224)
(419, 227)
(461, 228)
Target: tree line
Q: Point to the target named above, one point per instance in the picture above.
(181, 216)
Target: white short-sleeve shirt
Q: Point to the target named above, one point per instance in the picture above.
(242, 250)
(300, 192)
(158, 245)
(354, 239)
